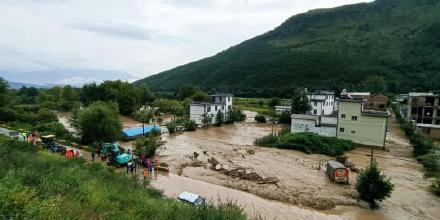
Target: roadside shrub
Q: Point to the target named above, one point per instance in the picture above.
(171, 127)
(260, 118)
(307, 142)
(55, 128)
(372, 186)
(431, 162)
(190, 125)
(284, 118)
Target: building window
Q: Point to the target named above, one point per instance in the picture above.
(315, 103)
(216, 107)
(354, 118)
(353, 132)
(342, 115)
(223, 107)
(208, 109)
(315, 112)
(229, 107)
(221, 98)
(229, 99)
(341, 129)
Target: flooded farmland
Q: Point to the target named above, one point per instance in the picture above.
(301, 184)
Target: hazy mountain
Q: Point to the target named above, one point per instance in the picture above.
(398, 40)
(74, 77)
(18, 85)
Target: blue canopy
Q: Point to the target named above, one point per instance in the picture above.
(134, 132)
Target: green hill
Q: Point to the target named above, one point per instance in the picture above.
(391, 42)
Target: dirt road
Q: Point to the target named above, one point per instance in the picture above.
(302, 181)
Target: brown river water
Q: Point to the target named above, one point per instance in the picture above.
(303, 190)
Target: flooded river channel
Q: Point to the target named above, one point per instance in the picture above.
(302, 189)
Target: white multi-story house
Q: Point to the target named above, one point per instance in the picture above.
(322, 102)
(219, 103)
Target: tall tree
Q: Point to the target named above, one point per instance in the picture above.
(187, 91)
(300, 102)
(146, 96)
(3, 91)
(99, 123)
(372, 186)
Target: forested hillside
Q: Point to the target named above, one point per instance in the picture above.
(383, 46)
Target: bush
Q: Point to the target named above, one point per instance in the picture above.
(55, 128)
(171, 127)
(307, 142)
(45, 115)
(435, 186)
(260, 118)
(190, 125)
(47, 186)
(147, 145)
(284, 118)
(372, 186)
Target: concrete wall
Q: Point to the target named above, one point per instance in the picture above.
(307, 125)
(366, 130)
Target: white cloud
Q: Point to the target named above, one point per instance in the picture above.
(141, 37)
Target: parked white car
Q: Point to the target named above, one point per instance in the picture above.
(192, 198)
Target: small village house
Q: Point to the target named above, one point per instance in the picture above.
(322, 125)
(423, 110)
(280, 109)
(219, 103)
(363, 126)
(322, 102)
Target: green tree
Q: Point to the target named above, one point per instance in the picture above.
(4, 87)
(206, 120)
(99, 123)
(260, 118)
(128, 98)
(200, 97)
(274, 102)
(300, 102)
(45, 115)
(219, 118)
(375, 84)
(187, 91)
(171, 126)
(190, 125)
(146, 96)
(372, 186)
(147, 145)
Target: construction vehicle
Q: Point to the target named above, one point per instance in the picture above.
(115, 154)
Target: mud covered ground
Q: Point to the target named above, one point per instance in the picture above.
(301, 177)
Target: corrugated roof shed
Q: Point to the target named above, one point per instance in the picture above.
(134, 132)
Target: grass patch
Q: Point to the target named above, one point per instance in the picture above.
(307, 142)
(40, 185)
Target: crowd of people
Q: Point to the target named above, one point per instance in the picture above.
(31, 137)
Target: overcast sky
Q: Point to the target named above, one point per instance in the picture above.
(141, 37)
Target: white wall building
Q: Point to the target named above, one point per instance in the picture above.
(280, 109)
(321, 125)
(322, 102)
(219, 103)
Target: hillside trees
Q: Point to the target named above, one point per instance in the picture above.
(99, 123)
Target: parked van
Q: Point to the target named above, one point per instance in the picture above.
(337, 172)
(192, 198)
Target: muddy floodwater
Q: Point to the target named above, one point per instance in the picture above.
(301, 189)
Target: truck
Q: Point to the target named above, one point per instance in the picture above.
(114, 154)
(337, 172)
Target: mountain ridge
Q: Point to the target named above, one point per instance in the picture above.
(343, 47)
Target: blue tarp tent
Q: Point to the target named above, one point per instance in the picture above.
(135, 132)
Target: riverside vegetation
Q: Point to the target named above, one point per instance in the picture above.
(307, 142)
(39, 185)
(424, 150)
